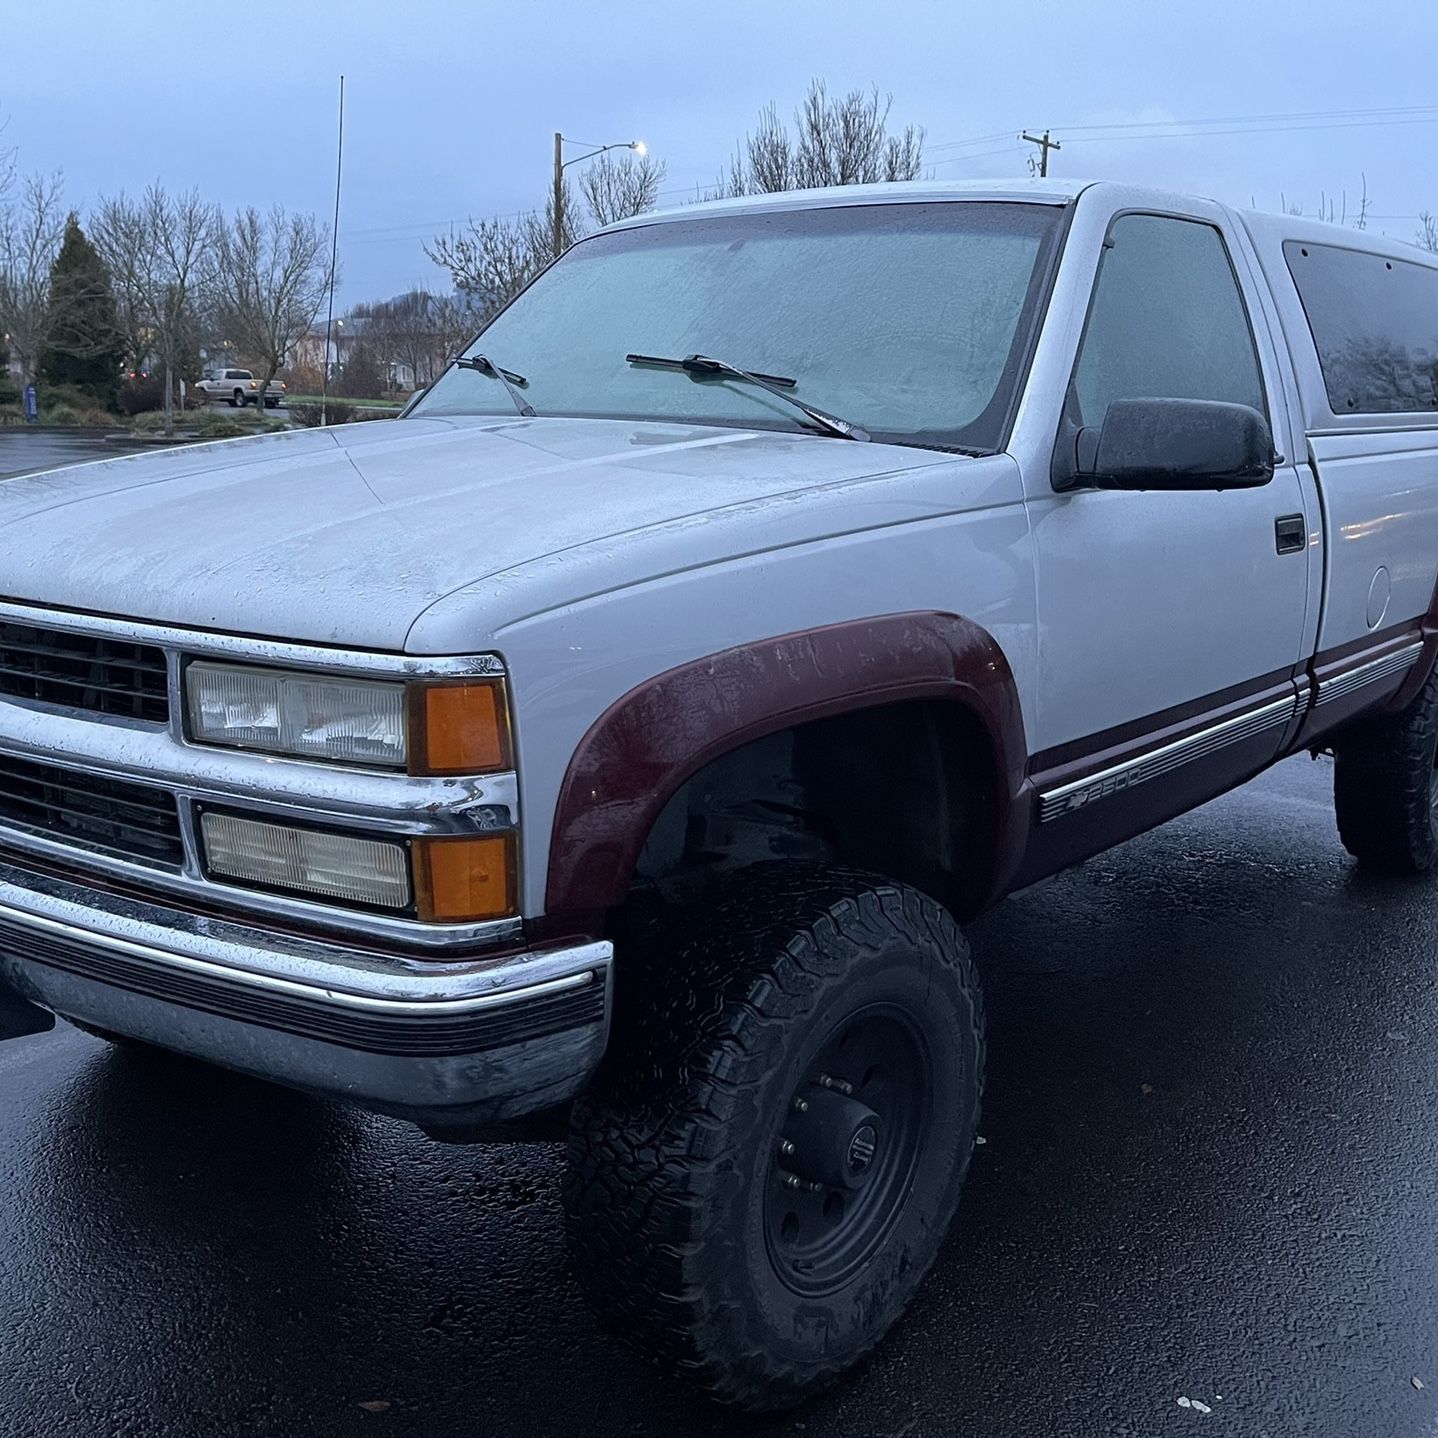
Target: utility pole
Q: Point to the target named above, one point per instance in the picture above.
(334, 261)
(1045, 145)
(558, 202)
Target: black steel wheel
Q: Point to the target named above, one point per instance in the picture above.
(763, 1172)
(851, 1140)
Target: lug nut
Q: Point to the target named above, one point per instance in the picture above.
(785, 1148)
(800, 1105)
(838, 1085)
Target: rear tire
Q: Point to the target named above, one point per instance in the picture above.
(763, 1173)
(1385, 787)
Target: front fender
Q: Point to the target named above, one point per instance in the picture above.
(647, 743)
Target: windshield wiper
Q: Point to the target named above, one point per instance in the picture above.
(701, 365)
(482, 364)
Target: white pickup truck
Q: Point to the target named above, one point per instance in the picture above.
(239, 387)
(630, 729)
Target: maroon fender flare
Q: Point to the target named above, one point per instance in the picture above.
(648, 742)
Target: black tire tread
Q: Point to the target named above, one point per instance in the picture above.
(1382, 777)
(645, 1142)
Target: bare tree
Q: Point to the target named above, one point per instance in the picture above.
(118, 230)
(491, 260)
(271, 273)
(456, 319)
(418, 332)
(158, 253)
(617, 187)
(834, 141)
(7, 164)
(1428, 231)
(31, 228)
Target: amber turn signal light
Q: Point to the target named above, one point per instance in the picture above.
(462, 880)
(459, 728)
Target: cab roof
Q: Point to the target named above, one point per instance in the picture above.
(1041, 192)
(1266, 228)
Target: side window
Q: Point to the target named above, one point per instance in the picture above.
(1375, 326)
(1167, 321)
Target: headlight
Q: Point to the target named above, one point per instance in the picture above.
(309, 861)
(311, 716)
(429, 726)
(465, 878)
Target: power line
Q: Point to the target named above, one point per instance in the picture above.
(1389, 114)
(1258, 129)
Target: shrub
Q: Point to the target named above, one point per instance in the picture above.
(308, 414)
(59, 414)
(223, 428)
(11, 414)
(151, 422)
(141, 393)
(305, 378)
(217, 424)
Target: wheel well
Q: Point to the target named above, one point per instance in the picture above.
(903, 789)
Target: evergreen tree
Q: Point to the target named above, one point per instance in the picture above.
(84, 347)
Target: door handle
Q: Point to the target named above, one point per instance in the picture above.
(1290, 533)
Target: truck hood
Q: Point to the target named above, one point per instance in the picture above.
(345, 536)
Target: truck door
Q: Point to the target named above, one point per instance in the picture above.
(1363, 326)
(1170, 624)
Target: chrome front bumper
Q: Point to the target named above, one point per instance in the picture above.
(446, 1044)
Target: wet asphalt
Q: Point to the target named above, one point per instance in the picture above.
(25, 451)
(1210, 1173)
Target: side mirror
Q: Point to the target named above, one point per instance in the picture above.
(1181, 444)
(413, 400)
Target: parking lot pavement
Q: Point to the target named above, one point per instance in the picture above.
(1208, 1175)
(23, 451)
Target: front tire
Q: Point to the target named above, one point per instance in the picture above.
(763, 1173)
(1385, 787)
(237, 399)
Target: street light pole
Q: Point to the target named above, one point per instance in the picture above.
(560, 165)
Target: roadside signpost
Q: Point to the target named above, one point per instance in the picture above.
(32, 405)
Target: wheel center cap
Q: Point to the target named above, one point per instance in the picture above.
(862, 1148)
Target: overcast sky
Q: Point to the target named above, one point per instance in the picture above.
(452, 104)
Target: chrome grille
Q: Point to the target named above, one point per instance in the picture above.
(112, 816)
(107, 676)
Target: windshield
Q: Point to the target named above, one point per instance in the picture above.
(911, 320)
